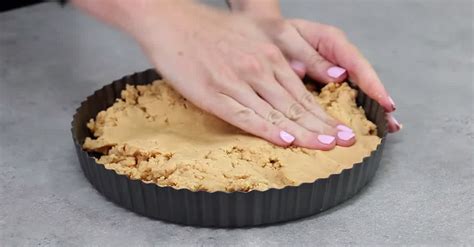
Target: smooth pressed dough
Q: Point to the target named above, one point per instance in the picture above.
(155, 135)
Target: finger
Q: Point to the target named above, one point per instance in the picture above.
(393, 124)
(295, 87)
(291, 83)
(362, 73)
(303, 137)
(298, 67)
(317, 67)
(345, 138)
(332, 44)
(246, 119)
(280, 99)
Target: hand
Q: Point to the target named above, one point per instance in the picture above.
(321, 51)
(324, 53)
(225, 64)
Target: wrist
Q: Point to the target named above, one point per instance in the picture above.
(133, 15)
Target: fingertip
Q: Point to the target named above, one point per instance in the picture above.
(325, 142)
(336, 72)
(279, 137)
(379, 95)
(387, 103)
(311, 141)
(392, 102)
(286, 137)
(392, 130)
(298, 67)
(393, 124)
(343, 127)
(345, 138)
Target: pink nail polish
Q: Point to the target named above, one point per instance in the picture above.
(399, 126)
(287, 137)
(297, 65)
(336, 71)
(325, 139)
(344, 128)
(344, 135)
(392, 103)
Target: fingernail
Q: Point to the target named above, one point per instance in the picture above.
(287, 137)
(344, 128)
(399, 126)
(325, 139)
(335, 71)
(297, 65)
(392, 102)
(344, 135)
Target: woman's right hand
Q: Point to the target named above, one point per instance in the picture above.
(226, 65)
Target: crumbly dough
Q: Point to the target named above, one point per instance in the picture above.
(154, 134)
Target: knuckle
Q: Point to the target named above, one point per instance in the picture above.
(244, 115)
(223, 73)
(307, 100)
(271, 52)
(275, 117)
(206, 80)
(295, 111)
(281, 28)
(250, 64)
(225, 80)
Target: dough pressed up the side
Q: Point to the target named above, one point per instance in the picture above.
(154, 134)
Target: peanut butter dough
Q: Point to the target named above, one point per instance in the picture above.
(154, 134)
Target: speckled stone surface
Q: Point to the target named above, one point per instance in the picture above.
(52, 58)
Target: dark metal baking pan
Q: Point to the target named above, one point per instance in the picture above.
(219, 209)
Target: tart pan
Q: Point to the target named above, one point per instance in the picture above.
(218, 209)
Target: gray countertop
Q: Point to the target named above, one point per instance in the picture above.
(52, 58)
